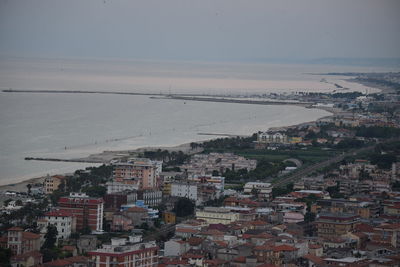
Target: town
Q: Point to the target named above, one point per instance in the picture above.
(323, 193)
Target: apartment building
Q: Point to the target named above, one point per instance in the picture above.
(215, 215)
(64, 221)
(87, 210)
(51, 183)
(141, 172)
(125, 253)
(330, 225)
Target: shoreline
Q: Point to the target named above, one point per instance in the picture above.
(109, 155)
(20, 186)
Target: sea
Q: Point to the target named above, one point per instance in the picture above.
(61, 125)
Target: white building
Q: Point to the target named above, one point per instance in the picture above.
(188, 190)
(64, 221)
(217, 181)
(115, 187)
(123, 252)
(272, 138)
(215, 215)
(175, 248)
(263, 189)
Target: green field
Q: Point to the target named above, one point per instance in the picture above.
(307, 156)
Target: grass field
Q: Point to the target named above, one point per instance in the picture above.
(307, 156)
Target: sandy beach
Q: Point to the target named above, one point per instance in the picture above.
(105, 157)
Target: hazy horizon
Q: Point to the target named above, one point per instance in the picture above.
(201, 31)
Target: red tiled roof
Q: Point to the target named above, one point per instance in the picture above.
(258, 223)
(314, 258)
(15, 229)
(264, 235)
(194, 241)
(241, 259)
(77, 259)
(264, 247)
(186, 230)
(175, 262)
(29, 235)
(57, 263)
(136, 209)
(35, 254)
(80, 200)
(389, 226)
(221, 243)
(59, 213)
(192, 256)
(314, 246)
(212, 232)
(267, 265)
(285, 248)
(363, 227)
(247, 236)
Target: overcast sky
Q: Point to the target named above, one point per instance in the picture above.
(200, 29)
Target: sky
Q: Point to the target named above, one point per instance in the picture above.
(200, 29)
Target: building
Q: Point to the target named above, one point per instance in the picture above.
(263, 190)
(64, 221)
(115, 200)
(138, 215)
(184, 189)
(215, 215)
(139, 212)
(217, 181)
(175, 248)
(86, 243)
(120, 222)
(125, 253)
(87, 210)
(330, 225)
(169, 217)
(141, 172)
(206, 164)
(21, 242)
(150, 197)
(24, 247)
(272, 138)
(363, 209)
(51, 183)
(115, 187)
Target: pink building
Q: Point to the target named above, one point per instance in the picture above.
(141, 172)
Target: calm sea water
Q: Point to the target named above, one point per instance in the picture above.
(43, 125)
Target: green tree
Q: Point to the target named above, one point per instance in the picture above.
(18, 202)
(50, 237)
(29, 186)
(144, 226)
(396, 186)
(7, 201)
(184, 207)
(5, 255)
(95, 191)
(309, 217)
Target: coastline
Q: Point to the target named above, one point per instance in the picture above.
(107, 156)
